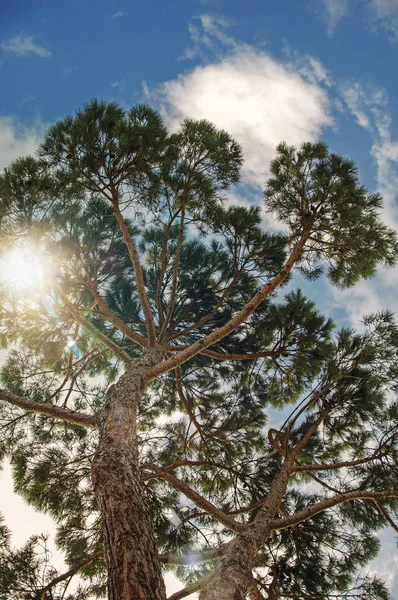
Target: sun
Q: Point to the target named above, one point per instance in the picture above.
(22, 269)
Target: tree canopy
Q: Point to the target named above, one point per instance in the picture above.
(154, 325)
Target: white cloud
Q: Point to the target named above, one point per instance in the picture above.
(17, 140)
(379, 15)
(66, 71)
(257, 99)
(117, 14)
(208, 36)
(118, 86)
(308, 66)
(145, 90)
(369, 105)
(385, 8)
(383, 14)
(334, 11)
(23, 46)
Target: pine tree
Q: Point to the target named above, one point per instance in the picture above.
(144, 368)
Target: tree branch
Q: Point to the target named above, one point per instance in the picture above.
(231, 356)
(175, 276)
(238, 319)
(70, 573)
(132, 335)
(211, 314)
(159, 283)
(190, 589)
(386, 515)
(50, 410)
(185, 404)
(190, 493)
(139, 277)
(337, 465)
(311, 511)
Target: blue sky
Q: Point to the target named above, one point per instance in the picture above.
(265, 70)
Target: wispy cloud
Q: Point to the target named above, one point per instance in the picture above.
(24, 46)
(378, 15)
(334, 11)
(258, 99)
(67, 71)
(117, 14)
(369, 106)
(118, 86)
(17, 140)
(383, 14)
(208, 35)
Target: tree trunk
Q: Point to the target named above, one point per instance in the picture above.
(134, 571)
(234, 574)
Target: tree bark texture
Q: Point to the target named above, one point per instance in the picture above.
(234, 574)
(134, 571)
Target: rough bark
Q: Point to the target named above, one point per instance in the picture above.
(134, 571)
(234, 574)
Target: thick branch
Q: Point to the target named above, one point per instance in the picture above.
(70, 573)
(310, 432)
(386, 515)
(50, 410)
(231, 356)
(210, 509)
(139, 277)
(218, 334)
(311, 511)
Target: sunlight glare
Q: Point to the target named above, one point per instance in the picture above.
(22, 269)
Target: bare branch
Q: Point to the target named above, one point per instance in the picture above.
(253, 591)
(50, 410)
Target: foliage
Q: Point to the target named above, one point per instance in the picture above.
(208, 420)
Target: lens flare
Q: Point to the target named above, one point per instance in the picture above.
(22, 269)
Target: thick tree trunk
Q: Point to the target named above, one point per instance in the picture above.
(234, 574)
(134, 571)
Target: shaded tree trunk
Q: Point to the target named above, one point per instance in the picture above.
(134, 571)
